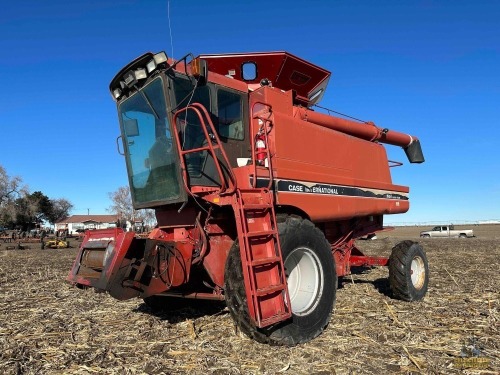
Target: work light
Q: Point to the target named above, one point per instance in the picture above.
(150, 66)
(160, 58)
(140, 74)
(129, 78)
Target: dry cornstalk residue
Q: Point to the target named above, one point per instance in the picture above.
(49, 327)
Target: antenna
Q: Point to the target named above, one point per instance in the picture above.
(170, 29)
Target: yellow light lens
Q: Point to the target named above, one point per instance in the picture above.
(196, 66)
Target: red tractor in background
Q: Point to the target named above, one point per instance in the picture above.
(259, 197)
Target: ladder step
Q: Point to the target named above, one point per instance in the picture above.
(261, 233)
(270, 289)
(279, 317)
(260, 262)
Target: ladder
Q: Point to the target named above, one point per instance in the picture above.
(262, 264)
(263, 270)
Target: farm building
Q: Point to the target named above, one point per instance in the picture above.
(78, 223)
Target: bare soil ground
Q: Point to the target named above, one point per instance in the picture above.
(50, 327)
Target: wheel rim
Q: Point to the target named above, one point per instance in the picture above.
(417, 272)
(304, 279)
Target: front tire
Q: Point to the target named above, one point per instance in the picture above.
(408, 271)
(311, 280)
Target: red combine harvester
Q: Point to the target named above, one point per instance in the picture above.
(259, 197)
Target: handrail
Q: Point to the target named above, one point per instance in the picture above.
(393, 163)
(204, 118)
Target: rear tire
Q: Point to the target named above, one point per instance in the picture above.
(408, 271)
(311, 279)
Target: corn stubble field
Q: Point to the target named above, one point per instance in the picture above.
(49, 327)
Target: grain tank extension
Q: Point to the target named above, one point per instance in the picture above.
(259, 195)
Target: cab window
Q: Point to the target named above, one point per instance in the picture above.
(229, 111)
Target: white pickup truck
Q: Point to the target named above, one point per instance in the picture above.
(447, 231)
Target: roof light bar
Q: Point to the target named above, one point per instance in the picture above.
(138, 70)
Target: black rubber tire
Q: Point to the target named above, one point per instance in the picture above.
(294, 233)
(400, 271)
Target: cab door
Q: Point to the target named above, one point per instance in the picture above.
(444, 232)
(232, 123)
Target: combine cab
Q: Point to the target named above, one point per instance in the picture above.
(259, 197)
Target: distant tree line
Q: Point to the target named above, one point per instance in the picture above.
(21, 209)
(24, 210)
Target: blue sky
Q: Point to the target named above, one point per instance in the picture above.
(427, 68)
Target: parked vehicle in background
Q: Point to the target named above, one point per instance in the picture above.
(447, 231)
